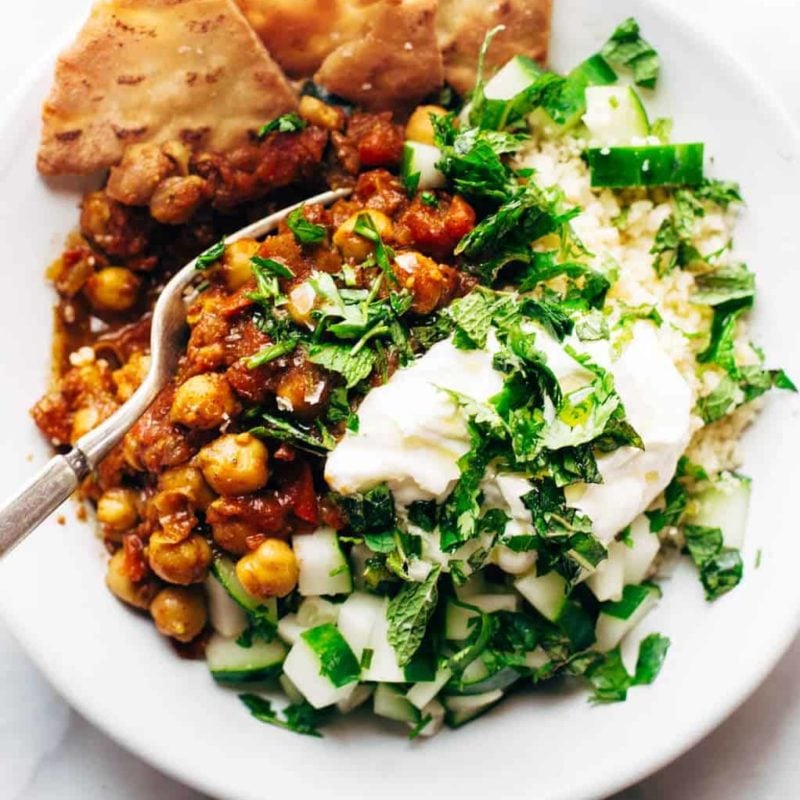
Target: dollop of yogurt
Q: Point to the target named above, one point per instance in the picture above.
(411, 433)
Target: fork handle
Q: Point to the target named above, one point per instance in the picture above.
(40, 497)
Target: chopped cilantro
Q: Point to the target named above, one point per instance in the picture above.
(365, 226)
(210, 256)
(287, 123)
(271, 352)
(304, 231)
(271, 267)
(429, 199)
(298, 717)
(273, 427)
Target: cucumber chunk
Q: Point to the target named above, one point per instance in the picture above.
(462, 708)
(421, 159)
(383, 666)
(323, 568)
(616, 619)
(546, 593)
(225, 571)
(724, 504)
(389, 701)
(505, 91)
(231, 663)
(615, 115)
(357, 617)
(338, 663)
(435, 711)
(489, 603)
(650, 165)
(420, 694)
(303, 668)
(457, 621)
(227, 616)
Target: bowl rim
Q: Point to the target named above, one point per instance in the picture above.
(743, 71)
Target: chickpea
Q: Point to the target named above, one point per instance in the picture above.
(204, 402)
(236, 463)
(269, 571)
(189, 482)
(112, 289)
(121, 586)
(303, 390)
(230, 534)
(179, 562)
(129, 377)
(352, 245)
(117, 510)
(318, 113)
(419, 127)
(136, 177)
(236, 268)
(84, 420)
(176, 199)
(179, 612)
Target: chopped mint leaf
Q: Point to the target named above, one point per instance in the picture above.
(298, 717)
(380, 542)
(652, 652)
(734, 282)
(271, 266)
(409, 612)
(305, 232)
(271, 352)
(723, 399)
(430, 199)
(287, 123)
(340, 358)
(473, 316)
(720, 567)
(626, 48)
(371, 512)
(273, 427)
(723, 193)
(422, 513)
(210, 256)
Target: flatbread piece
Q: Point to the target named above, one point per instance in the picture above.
(155, 70)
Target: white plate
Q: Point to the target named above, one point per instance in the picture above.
(114, 668)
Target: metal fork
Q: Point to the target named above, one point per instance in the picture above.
(62, 474)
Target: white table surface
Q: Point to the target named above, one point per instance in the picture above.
(49, 752)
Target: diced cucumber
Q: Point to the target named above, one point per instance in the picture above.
(359, 696)
(505, 92)
(640, 554)
(627, 562)
(357, 617)
(537, 658)
(289, 629)
(225, 571)
(475, 584)
(479, 678)
(421, 159)
(616, 619)
(227, 616)
(322, 666)
(724, 504)
(231, 663)
(546, 593)
(650, 165)
(462, 708)
(390, 702)
(315, 611)
(436, 711)
(303, 668)
(489, 603)
(457, 620)
(323, 568)
(615, 115)
(608, 580)
(420, 694)
(383, 666)
(291, 691)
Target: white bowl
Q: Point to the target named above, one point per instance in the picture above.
(114, 668)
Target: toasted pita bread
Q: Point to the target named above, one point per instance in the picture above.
(462, 25)
(394, 63)
(154, 70)
(301, 34)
